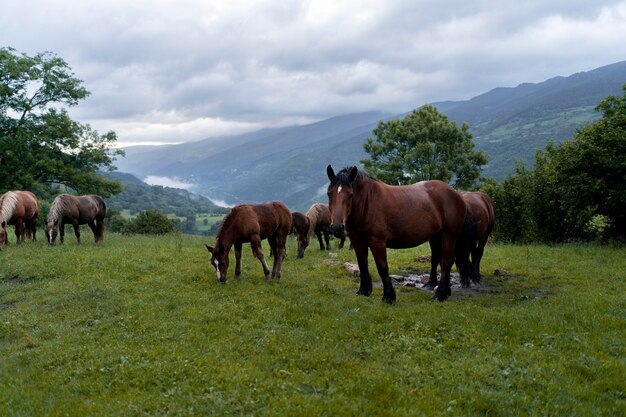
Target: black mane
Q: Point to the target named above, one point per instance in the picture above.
(341, 177)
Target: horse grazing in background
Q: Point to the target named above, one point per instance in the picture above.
(252, 223)
(75, 210)
(480, 208)
(317, 220)
(300, 227)
(378, 216)
(19, 208)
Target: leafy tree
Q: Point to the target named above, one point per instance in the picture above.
(39, 143)
(576, 190)
(149, 222)
(424, 145)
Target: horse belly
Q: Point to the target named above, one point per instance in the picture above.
(405, 243)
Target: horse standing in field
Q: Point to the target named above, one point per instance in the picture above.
(378, 216)
(19, 208)
(480, 208)
(75, 210)
(252, 223)
(317, 220)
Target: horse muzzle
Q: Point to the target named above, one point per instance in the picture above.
(339, 231)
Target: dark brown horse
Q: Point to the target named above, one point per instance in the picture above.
(252, 223)
(19, 208)
(75, 210)
(480, 208)
(378, 216)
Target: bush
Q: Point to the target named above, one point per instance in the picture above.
(149, 222)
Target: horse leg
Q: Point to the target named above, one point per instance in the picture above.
(319, 239)
(238, 247)
(477, 256)
(327, 239)
(435, 259)
(463, 264)
(100, 229)
(62, 232)
(257, 251)
(360, 249)
(19, 232)
(94, 229)
(342, 241)
(76, 231)
(280, 242)
(380, 257)
(443, 291)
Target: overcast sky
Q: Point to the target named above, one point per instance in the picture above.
(174, 71)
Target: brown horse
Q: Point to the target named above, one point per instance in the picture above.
(317, 220)
(378, 216)
(252, 223)
(480, 208)
(75, 210)
(19, 208)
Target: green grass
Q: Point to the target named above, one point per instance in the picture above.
(139, 326)
(211, 220)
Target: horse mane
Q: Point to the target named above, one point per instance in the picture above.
(58, 208)
(341, 177)
(227, 221)
(8, 201)
(313, 214)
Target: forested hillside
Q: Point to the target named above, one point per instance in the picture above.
(139, 196)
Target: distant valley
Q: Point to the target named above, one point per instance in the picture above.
(289, 163)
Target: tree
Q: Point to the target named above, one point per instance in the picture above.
(575, 191)
(424, 145)
(39, 143)
(149, 222)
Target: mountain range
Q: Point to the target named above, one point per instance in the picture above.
(289, 164)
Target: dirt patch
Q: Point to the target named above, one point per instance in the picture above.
(18, 279)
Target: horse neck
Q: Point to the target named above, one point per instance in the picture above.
(224, 235)
(312, 216)
(59, 206)
(363, 195)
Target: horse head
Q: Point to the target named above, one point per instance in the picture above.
(51, 230)
(219, 260)
(340, 193)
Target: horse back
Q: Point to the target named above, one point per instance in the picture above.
(265, 220)
(409, 215)
(299, 223)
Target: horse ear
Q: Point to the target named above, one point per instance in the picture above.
(209, 248)
(330, 172)
(353, 172)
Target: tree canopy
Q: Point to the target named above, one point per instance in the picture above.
(576, 190)
(39, 143)
(424, 145)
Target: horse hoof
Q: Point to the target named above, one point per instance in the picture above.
(440, 296)
(388, 300)
(365, 293)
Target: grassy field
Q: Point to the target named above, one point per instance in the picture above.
(138, 326)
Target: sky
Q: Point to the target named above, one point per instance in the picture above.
(175, 71)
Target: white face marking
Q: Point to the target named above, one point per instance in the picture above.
(50, 233)
(339, 189)
(217, 268)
